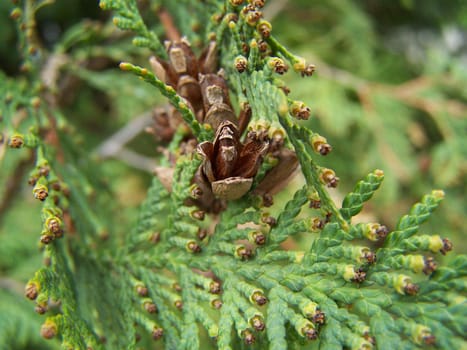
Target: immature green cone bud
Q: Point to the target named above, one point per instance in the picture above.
(16, 141)
(411, 289)
(263, 46)
(447, 246)
(198, 215)
(429, 265)
(214, 287)
(178, 304)
(319, 318)
(177, 287)
(264, 28)
(278, 65)
(150, 307)
(309, 332)
(422, 335)
(241, 64)
(31, 290)
(248, 337)
(308, 70)
(142, 290)
(216, 303)
(49, 329)
(236, 2)
(320, 145)
(35, 102)
(41, 309)
(316, 224)
(375, 231)
(202, 234)
(252, 17)
(16, 13)
(306, 329)
(157, 333)
(369, 257)
(299, 110)
(257, 237)
(54, 224)
(329, 178)
(403, 285)
(243, 253)
(259, 298)
(40, 192)
(47, 238)
(269, 220)
(125, 66)
(257, 323)
(257, 3)
(416, 263)
(155, 238)
(193, 247)
(359, 276)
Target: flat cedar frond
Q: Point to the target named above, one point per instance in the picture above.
(208, 260)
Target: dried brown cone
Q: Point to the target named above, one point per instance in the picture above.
(229, 165)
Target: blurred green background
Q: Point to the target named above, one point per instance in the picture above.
(389, 92)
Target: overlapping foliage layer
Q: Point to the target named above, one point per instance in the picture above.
(227, 281)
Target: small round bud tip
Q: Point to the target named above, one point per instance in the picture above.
(49, 329)
(16, 14)
(438, 194)
(125, 66)
(379, 173)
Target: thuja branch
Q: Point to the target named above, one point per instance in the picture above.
(205, 252)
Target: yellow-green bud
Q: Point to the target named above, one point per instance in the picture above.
(417, 263)
(349, 273)
(435, 243)
(400, 282)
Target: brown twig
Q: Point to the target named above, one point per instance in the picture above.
(167, 22)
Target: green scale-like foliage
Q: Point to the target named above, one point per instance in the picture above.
(355, 286)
